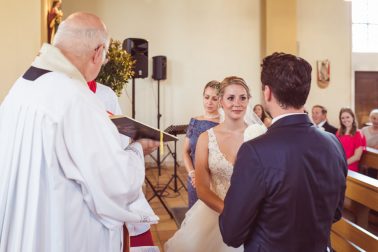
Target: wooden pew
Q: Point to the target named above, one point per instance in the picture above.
(369, 158)
(347, 236)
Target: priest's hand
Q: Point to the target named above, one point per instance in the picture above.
(148, 145)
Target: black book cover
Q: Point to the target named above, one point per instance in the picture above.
(137, 130)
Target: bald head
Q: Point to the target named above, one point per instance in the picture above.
(80, 33)
(83, 39)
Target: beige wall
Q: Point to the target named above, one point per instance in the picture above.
(20, 26)
(324, 32)
(280, 26)
(203, 40)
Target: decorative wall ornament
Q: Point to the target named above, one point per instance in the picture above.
(323, 73)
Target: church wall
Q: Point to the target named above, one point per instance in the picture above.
(324, 32)
(20, 26)
(203, 40)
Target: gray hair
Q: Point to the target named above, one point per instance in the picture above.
(79, 38)
(374, 112)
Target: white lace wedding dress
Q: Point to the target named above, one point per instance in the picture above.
(199, 231)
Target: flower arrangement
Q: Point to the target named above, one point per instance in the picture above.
(253, 131)
(119, 68)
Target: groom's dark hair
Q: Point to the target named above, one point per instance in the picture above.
(289, 78)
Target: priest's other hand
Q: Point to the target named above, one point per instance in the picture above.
(148, 145)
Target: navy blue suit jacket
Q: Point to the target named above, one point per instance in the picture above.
(286, 190)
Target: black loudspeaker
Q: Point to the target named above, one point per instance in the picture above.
(159, 68)
(138, 48)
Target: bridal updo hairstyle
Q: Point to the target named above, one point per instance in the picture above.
(233, 80)
(288, 77)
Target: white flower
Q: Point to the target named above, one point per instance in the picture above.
(253, 130)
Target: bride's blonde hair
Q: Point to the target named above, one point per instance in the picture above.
(233, 80)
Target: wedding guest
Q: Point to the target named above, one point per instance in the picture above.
(371, 132)
(215, 156)
(351, 138)
(66, 182)
(262, 114)
(197, 125)
(319, 117)
(288, 184)
(371, 135)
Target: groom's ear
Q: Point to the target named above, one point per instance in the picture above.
(267, 93)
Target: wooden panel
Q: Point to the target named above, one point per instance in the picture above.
(366, 93)
(339, 244)
(362, 189)
(356, 236)
(370, 158)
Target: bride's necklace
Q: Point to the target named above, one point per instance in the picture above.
(211, 116)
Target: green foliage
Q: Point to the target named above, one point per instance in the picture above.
(119, 68)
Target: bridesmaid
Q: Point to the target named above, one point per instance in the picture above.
(196, 126)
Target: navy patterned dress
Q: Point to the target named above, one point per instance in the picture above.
(195, 128)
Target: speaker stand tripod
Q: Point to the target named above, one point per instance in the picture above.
(133, 98)
(158, 195)
(174, 177)
(158, 126)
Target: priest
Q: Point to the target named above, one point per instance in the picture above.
(66, 183)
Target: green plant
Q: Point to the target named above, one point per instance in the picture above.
(119, 68)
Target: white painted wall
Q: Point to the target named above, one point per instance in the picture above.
(203, 40)
(324, 32)
(20, 26)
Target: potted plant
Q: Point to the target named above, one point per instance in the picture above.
(119, 68)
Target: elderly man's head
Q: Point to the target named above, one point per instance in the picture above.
(318, 114)
(84, 40)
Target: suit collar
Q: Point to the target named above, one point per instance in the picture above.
(292, 120)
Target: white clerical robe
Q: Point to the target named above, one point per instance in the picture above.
(110, 100)
(66, 183)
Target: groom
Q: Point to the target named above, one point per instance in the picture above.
(288, 185)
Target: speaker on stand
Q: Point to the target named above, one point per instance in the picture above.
(159, 72)
(138, 49)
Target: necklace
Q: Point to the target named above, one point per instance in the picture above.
(211, 116)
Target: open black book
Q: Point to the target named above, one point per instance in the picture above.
(136, 130)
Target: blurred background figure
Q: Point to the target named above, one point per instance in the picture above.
(54, 18)
(371, 132)
(371, 135)
(262, 114)
(196, 126)
(351, 138)
(319, 117)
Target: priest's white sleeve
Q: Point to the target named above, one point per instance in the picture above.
(90, 152)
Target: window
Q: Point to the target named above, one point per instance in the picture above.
(364, 26)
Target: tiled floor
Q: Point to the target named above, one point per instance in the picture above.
(166, 227)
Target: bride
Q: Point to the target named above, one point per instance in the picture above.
(215, 157)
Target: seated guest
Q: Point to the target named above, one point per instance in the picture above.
(371, 132)
(319, 117)
(261, 113)
(371, 135)
(351, 138)
(196, 126)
